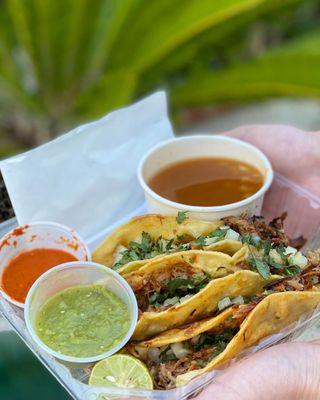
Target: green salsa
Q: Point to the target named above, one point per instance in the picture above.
(83, 321)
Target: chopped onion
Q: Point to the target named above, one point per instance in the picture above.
(208, 241)
(290, 250)
(314, 279)
(275, 256)
(185, 298)
(171, 302)
(117, 255)
(179, 351)
(153, 354)
(238, 300)
(298, 259)
(224, 303)
(232, 235)
(195, 339)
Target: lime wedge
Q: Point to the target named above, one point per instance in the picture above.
(121, 370)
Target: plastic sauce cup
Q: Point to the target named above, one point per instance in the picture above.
(40, 235)
(203, 146)
(74, 274)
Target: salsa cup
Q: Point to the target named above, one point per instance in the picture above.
(203, 146)
(70, 275)
(47, 235)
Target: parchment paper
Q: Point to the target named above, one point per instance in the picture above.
(86, 179)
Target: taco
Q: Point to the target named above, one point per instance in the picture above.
(133, 244)
(183, 287)
(178, 355)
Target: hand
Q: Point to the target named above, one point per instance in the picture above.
(289, 371)
(293, 153)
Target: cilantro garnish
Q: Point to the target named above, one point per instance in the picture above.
(218, 234)
(165, 356)
(260, 266)
(182, 216)
(148, 248)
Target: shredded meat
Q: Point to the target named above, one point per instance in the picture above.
(298, 242)
(313, 261)
(257, 225)
(241, 312)
(305, 281)
(156, 282)
(165, 373)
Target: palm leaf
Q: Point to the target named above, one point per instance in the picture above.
(278, 72)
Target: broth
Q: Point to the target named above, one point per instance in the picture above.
(207, 181)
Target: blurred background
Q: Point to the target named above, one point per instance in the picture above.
(223, 63)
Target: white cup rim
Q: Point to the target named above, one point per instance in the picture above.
(85, 264)
(206, 209)
(49, 224)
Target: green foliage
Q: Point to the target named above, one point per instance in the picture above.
(64, 61)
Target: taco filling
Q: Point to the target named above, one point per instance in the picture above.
(168, 362)
(160, 291)
(247, 230)
(147, 248)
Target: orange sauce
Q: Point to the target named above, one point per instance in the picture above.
(207, 181)
(24, 269)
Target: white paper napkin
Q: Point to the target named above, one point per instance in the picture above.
(86, 179)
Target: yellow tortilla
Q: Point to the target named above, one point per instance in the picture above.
(270, 316)
(217, 265)
(157, 225)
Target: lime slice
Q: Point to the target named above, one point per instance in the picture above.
(121, 370)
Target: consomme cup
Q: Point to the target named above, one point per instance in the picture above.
(203, 146)
(73, 274)
(40, 235)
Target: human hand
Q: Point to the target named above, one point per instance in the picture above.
(289, 371)
(294, 153)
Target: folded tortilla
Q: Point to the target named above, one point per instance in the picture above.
(220, 276)
(228, 334)
(157, 226)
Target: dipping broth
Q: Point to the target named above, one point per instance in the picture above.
(207, 181)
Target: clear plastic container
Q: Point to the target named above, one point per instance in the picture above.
(48, 235)
(304, 217)
(78, 274)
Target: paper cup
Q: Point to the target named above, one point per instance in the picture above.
(198, 146)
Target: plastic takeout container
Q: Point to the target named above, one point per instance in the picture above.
(201, 146)
(48, 235)
(304, 217)
(78, 274)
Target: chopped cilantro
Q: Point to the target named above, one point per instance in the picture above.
(182, 216)
(149, 248)
(218, 234)
(166, 356)
(260, 266)
(266, 247)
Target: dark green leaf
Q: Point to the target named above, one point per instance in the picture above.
(182, 216)
(260, 266)
(201, 241)
(266, 246)
(166, 356)
(274, 263)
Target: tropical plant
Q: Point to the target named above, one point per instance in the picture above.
(66, 61)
